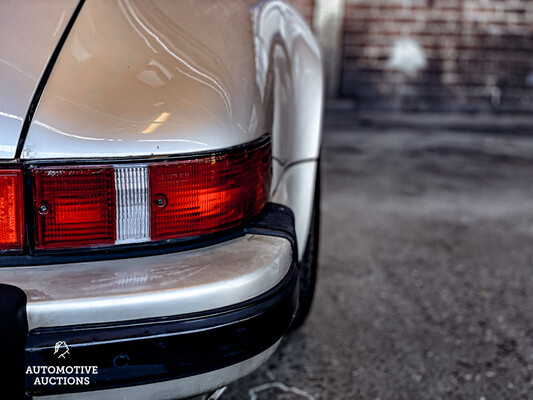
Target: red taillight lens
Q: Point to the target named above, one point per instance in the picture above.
(74, 207)
(206, 195)
(90, 206)
(11, 210)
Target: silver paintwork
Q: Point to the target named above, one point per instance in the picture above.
(30, 32)
(146, 287)
(175, 389)
(142, 77)
(289, 67)
(296, 187)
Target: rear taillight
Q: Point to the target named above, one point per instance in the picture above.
(207, 195)
(92, 206)
(11, 210)
(74, 207)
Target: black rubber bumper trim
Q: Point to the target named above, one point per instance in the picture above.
(275, 220)
(140, 352)
(13, 333)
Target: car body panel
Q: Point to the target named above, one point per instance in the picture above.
(289, 67)
(293, 189)
(31, 30)
(289, 70)
(139, 77)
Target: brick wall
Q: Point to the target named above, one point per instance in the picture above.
(439, 55)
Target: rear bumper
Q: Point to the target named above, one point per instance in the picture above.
(162, 349)
(149, 287)
(157, 325)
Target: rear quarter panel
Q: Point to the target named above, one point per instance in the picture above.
(157, 77)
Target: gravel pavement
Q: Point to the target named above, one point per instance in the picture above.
(426, 266)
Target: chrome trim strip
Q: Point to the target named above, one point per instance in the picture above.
(175, 389)
(148, 287)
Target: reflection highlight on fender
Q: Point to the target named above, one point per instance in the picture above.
(157, 40)
(157, 122)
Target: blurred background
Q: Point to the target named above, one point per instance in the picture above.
(427, 55)
(425, 287)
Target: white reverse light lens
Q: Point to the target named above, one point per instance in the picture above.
(133, 204)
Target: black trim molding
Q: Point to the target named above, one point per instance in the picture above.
(13, 333)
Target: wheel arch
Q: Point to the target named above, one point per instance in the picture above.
(294, 96)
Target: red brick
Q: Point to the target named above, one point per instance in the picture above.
(467, 45)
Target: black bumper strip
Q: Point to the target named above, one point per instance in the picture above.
(13, 333)
(275, 220)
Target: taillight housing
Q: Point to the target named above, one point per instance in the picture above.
(81, 207)
(11, 210)
(74, 206)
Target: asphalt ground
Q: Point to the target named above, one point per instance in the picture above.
(425, 285)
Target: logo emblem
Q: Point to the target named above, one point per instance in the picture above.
(61, 347)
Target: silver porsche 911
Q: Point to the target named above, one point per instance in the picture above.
(159, 193)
